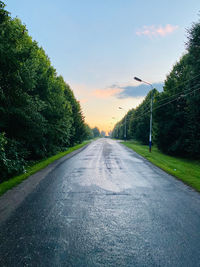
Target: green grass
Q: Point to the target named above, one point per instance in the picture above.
(5, 186)
(185, 170)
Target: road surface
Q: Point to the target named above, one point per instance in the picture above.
(106, 206)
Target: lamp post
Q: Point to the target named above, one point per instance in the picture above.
(150, 131)
(125, 123)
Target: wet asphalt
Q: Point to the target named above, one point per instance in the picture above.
(106, 206)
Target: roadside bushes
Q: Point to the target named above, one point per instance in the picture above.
(11, 157)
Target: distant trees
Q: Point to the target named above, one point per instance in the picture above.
(137, 122)
(39, 113)
(176, 110)
(103, 134)
(88, 132)
(96, 132)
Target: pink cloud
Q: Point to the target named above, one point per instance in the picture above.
(106, 93)
(153, 30)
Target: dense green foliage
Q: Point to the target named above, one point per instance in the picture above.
(39, 113)
(6, 185)
(96, 132)
(88, 132)
(103, 133)
(176, 110)
(137, 122)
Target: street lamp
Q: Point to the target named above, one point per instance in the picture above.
(125, 123)
(150, 132)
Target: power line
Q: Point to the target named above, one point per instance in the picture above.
(186, 81)
(173, 95)
(176, 99)
(145, 113)
(168, 102)
(182, 92)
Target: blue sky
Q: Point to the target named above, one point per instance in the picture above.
(94, 44)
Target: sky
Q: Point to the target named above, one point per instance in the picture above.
(98, 46)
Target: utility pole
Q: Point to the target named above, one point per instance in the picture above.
(151, 109)
(151, 118)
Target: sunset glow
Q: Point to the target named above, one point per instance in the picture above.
(99, 46)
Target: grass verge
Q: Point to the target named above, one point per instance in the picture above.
(185, 170)
(5, 186)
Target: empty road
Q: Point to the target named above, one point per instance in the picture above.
(105, 206)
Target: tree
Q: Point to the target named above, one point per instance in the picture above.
(96, 132)
(193, 99)
(103, 133)
(88, 132)
(170, 120)
(39, 113)
(78, 124)
(178, 122)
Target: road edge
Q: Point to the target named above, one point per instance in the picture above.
(12, 198)
(189, 186)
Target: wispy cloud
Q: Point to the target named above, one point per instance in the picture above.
(153, 31)
(106, 93)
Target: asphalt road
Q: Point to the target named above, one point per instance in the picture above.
(106, 206)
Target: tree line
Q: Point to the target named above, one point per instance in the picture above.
(176, 110)
(39, 115)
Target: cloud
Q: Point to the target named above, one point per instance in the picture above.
(153, 30)
(136, 91)
(106, 93)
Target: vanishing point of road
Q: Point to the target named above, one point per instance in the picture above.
(105, 206)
